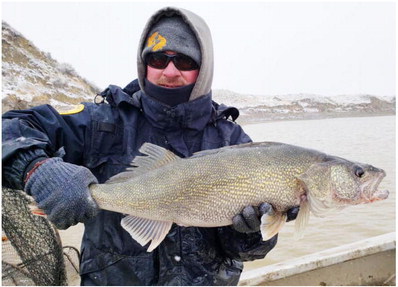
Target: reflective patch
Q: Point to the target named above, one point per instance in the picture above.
(156, 41)
(70, 110)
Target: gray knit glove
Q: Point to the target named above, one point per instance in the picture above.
(61, 190)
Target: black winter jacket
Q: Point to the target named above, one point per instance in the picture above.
(105, 138)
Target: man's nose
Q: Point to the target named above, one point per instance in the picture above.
(171, 70)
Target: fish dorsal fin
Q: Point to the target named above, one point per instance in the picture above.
(154, 157)
(144, 230)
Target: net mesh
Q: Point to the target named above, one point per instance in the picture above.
(32, 252)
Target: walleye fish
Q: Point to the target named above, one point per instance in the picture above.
(211, 187)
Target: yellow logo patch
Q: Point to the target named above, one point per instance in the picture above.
(70, 110)
(156, 41)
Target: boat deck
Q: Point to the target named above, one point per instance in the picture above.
(366, 262)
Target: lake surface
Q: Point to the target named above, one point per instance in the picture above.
(363, 139)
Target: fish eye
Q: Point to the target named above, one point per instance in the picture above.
(359, 172)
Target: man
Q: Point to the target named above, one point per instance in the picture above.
(55, 157)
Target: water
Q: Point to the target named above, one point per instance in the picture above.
(364, 139)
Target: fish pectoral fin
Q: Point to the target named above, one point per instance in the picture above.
(322, 208)
(144, 230)
(271, 223)
(302, 219)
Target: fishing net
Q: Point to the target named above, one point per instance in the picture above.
(32, 253)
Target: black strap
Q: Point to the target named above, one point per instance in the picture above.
(229, 112)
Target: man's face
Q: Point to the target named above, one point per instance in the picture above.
(171, 77)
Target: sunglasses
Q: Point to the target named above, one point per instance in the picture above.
(161, 60)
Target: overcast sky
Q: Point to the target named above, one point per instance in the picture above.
(266, 48)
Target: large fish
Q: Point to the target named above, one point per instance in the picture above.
(211, 187)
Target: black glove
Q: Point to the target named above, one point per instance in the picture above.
(62, 190)
(292, 213)
(249, 220)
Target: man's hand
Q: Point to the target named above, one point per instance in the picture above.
(249, 220)
(61, 190)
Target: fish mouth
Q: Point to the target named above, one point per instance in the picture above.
(370, 193)
(379, 195)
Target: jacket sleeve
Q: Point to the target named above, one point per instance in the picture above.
(242, 246)
(39, 132)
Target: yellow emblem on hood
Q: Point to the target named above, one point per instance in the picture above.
(156, 41)
(70, 110)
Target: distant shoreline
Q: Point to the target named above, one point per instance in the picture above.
(249, 119)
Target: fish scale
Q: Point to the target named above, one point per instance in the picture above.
(211, 187)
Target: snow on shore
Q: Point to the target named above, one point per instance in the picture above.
(31, 77)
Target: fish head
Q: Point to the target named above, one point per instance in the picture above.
(355, 183)
(335, 183)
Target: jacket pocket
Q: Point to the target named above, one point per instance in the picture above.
(106, 138)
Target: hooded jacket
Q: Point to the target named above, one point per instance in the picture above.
(105, 138)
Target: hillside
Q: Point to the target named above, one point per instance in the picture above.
(31, 77)
(255, 108)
